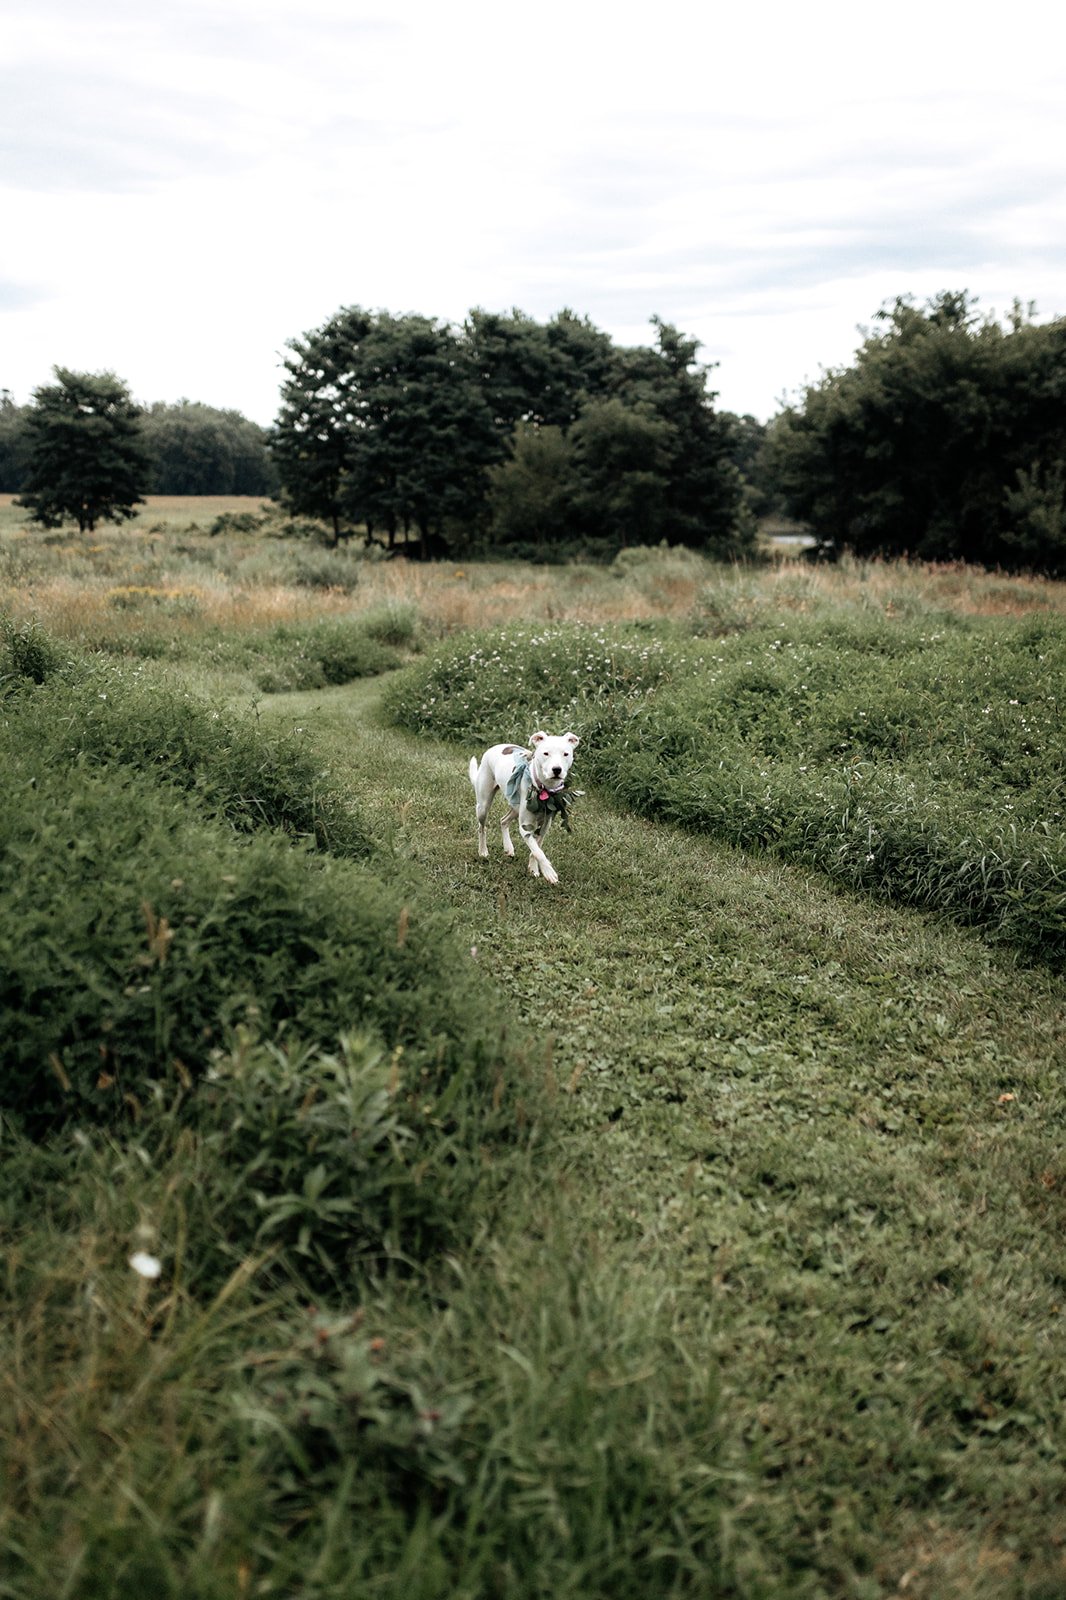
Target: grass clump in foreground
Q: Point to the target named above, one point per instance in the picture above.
(506, 1437)
(269, 1076)
(919, 760)
(168, 879)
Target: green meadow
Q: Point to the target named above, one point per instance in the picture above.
(379, 1221)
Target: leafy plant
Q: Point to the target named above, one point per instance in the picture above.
(27, 652)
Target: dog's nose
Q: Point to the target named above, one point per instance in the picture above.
(556, 771)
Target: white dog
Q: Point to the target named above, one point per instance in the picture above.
(533, 784)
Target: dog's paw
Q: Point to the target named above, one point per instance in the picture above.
(548, 873)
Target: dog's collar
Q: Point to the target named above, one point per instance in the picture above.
(556, 797)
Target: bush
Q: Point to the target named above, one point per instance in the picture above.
(326, 569)
(154, 900)
(239, 522)
(313, 655)
(136, 934)
(107, 715)
(313, 1163)
(291, 656)
(395, 623)
(27, 652)
(503, 685)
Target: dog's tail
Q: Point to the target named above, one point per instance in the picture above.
(473, 770)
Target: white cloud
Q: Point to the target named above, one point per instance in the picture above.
(184, 188)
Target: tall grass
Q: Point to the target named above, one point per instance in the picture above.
(918, 760)
(166, 577)
(173, 878)
(514, 1439)
(692, 1232)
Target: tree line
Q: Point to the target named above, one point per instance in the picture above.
(539, 439)
(945, 439)
(186, 448)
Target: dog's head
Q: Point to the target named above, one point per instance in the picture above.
(552, 755)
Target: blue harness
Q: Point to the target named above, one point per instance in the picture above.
(513, 787)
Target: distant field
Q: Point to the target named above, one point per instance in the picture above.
(171, 509)
(165, 570)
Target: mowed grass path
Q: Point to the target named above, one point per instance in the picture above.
(834, 1125)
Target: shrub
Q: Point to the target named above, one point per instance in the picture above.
(395, 623)
(107, 715)
(318, 1153)
(136, 934)
(229, 522)
(314, 1163)
(312, 655)
(27, 652)
(326, 569)
(288, 657)
(505, 684)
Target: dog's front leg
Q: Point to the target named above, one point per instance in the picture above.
(539, 865)
(505, 826)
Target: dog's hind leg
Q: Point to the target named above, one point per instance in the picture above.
(505, 830)
(483, 803)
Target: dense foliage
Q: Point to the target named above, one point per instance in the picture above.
(189, 911)
(201, 450)
(946, 439)
(535, 439)
(85, 453)
(14, 444)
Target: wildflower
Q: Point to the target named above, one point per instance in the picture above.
(144, 1264)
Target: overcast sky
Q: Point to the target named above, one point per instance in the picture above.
(184, 186)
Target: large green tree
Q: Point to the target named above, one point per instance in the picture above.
(532, 494)
(523, 376)
(946, 440)
(702, 495)
(589, 363)
(423, 433)
(320, 420)
(622, 463)
(87, 459)
(383, 423)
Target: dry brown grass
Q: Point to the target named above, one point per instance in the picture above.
(166, 567)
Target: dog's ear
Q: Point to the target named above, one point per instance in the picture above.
(572, 738)
(537, 738)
